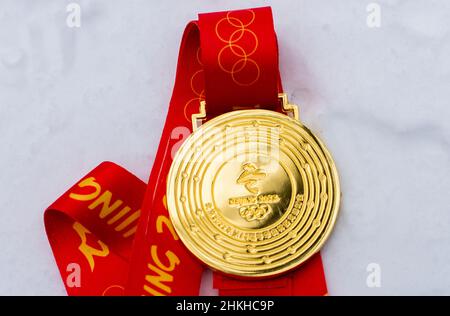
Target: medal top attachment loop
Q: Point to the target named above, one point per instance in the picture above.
(288, 108)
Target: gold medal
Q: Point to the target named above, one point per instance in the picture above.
(253, 193)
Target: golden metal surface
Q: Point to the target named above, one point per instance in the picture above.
(198, 116)
(253, 193)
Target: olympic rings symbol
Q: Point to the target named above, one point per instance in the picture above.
(255, 211)
(244, 71)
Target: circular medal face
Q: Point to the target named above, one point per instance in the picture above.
(253, 193)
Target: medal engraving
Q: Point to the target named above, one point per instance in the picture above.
(253, 207)
(253, 193)
(250, 176)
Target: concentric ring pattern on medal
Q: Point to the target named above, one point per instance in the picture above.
(253, 193)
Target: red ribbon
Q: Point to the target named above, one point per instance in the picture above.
(240, 57)
(231, 59)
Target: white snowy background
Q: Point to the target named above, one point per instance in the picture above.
(379, 98)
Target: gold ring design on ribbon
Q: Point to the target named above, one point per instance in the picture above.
(232, 46)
